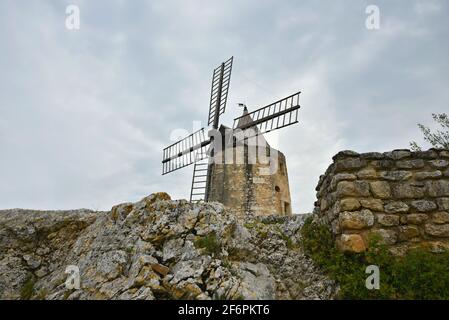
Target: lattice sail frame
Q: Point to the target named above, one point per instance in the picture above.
(185, 152)
(221, 79)
(279, 114)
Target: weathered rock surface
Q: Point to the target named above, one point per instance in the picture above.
(156, 249)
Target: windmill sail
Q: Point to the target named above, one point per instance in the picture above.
(274, 116)
(219, 92)
(185, 152)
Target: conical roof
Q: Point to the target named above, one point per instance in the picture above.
(244, 120)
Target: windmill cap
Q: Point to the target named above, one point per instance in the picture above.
(243, 105)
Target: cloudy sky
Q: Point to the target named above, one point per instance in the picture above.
(84, 114)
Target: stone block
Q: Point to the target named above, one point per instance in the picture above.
(388, 220)
(424, 205)
(408, 232)
(410, 164)
(443, 203)
(407, 191)
(429, 154)
(351, 243)
(356, 220)
(352, 189)
(437, 230)
(324, 204)
(428, 175)
(416, 218)
(440, 163)
(380, 189)
(440, 217)
(383, 164)
(438, 188)
(335, 225)
(372, 156)
(367, 173)
(396, 207)
(399, 175)
(349, 164)
(349, 204)
(398, 154)
(341, 177)
(345, 154)
(436, 246)
(385, 236)
(372, 204)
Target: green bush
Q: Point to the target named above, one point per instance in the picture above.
(27, 291)
(418, 275)
(209, 243)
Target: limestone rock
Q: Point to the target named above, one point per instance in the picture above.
(157, 248)
(388, 220)
(439, 163)
(443, 203)
(441, 230)
(428, 175)
(438, 188)
(396, 175)
(436, 246)
(440, 217)
(380, 189)
(372, 204)
(398, 154)
(408, 232)
(424, 205)
(396, 207)
(417, 218)
(349, 164)
(356, 220)
(352, 189)
(410, 164)
(349, 204)
(386, 236)
(408, 191)
(351, 243)
(367, 173)
(341, 177)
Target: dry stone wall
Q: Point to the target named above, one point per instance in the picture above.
(402, 197)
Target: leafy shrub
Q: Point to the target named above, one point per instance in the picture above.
(418, 275)
(27, 291)
(209, 243)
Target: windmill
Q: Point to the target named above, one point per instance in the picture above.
(195, 148)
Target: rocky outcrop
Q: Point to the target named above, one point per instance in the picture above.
(156, 249)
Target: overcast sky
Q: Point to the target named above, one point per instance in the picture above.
(84, 114)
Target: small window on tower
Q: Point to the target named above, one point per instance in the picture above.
(286, 207)
(282, 168)
(277, 189)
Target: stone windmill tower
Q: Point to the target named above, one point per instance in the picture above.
(258, 186)
(236, 166)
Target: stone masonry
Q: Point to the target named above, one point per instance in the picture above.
(250, 188)
(400, 196)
